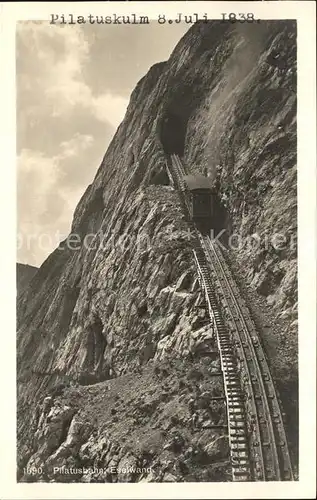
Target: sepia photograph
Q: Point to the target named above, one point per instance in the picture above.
(157, 248)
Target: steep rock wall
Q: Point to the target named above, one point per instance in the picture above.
(122, 297)
(24, 274)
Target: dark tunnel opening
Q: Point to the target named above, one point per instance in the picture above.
(173, 133)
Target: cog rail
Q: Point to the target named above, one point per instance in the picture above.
(257, 439)
(237, 431)
(267, 434)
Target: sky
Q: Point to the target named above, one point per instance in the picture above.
(73, 86)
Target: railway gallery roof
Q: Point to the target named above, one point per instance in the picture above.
(198, 182)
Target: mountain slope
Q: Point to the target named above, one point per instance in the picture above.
(115, 363)
(24, 274)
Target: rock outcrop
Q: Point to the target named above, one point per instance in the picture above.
(24, 274)
(116, 361)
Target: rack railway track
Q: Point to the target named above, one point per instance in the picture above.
(257, 439)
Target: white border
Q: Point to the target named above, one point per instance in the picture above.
(305, 13)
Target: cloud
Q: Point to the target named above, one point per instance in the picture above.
(73, 87)
(36, 176)
(46, 200)
(109, 108)
(75, 145)
(61, 53)
(60, 141)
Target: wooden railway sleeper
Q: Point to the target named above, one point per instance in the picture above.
(277, 418)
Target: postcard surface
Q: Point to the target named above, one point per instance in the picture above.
(159, 294)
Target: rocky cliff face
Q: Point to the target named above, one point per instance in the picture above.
(24, 274)
(116, 361)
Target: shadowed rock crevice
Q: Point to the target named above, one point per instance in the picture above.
(94, 368)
